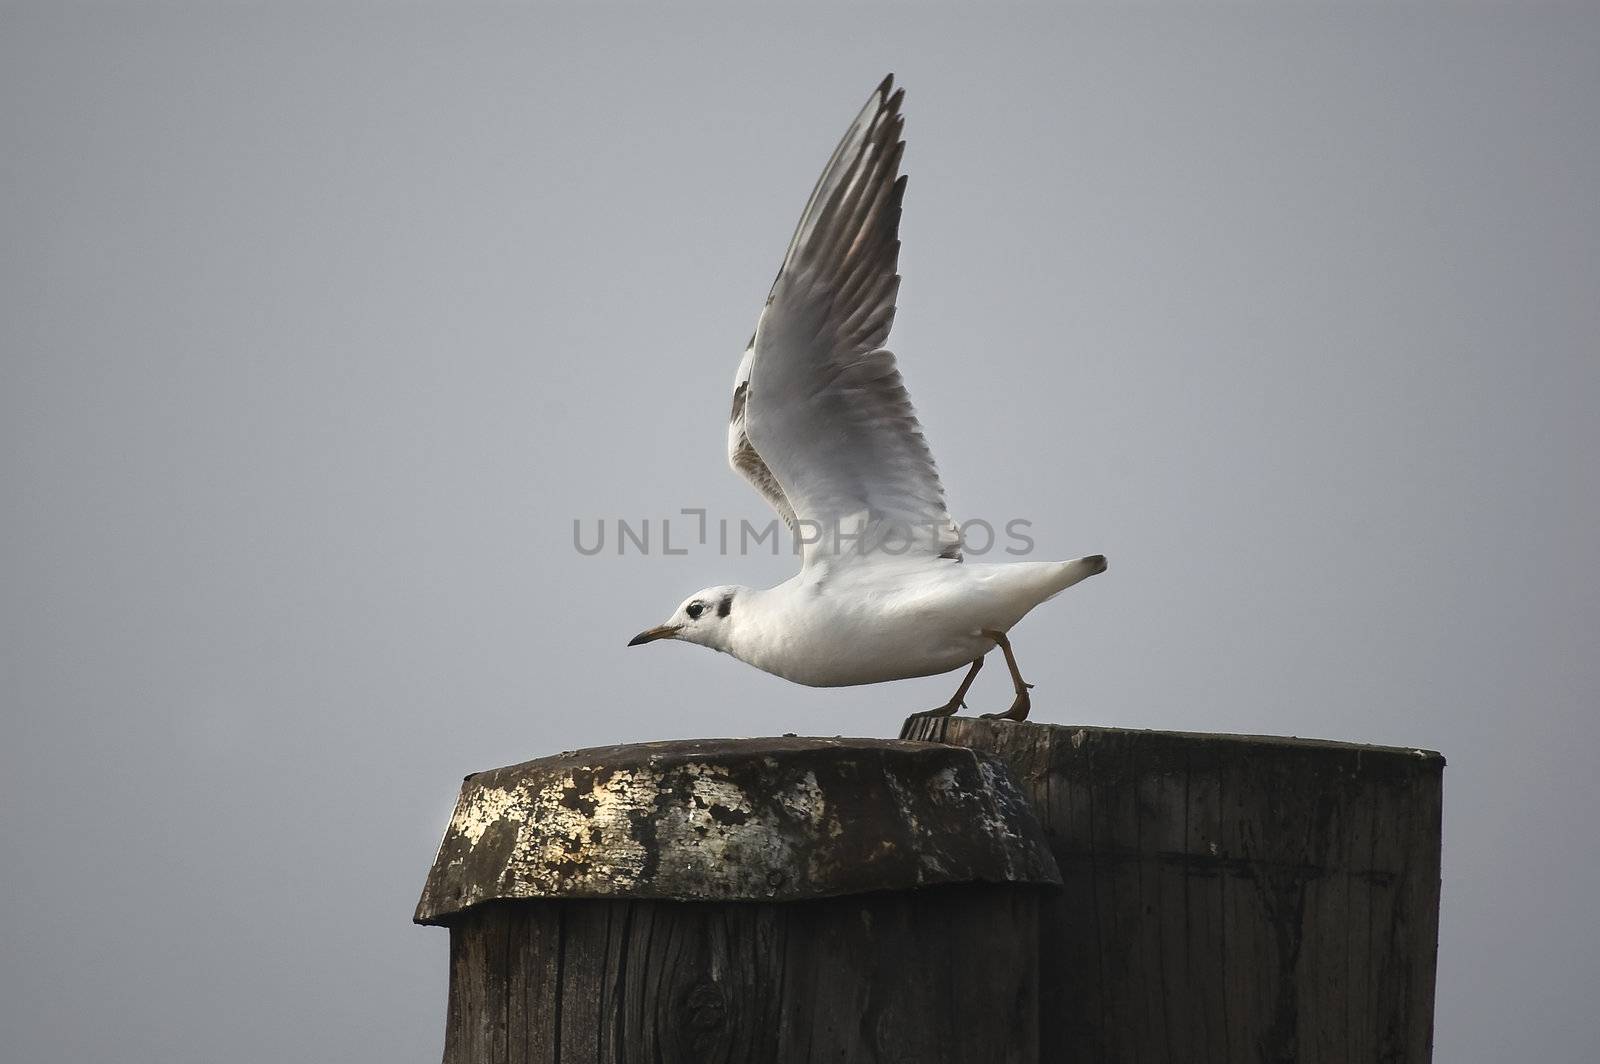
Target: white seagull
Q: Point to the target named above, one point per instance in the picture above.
(823, 428)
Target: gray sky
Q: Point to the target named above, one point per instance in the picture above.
(319, 326)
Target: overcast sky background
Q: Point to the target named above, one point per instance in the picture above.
(319, 326)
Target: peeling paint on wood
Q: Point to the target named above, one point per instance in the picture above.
(735, 819)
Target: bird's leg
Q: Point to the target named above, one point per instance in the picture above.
(1019, 708)
(957, 701)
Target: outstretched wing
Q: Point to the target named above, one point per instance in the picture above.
(742, 453)
(821, 423)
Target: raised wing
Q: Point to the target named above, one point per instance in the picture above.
(821, 422)
(742, 453)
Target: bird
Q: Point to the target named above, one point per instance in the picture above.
(822, 426)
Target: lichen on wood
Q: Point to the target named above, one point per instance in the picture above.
(735, 819)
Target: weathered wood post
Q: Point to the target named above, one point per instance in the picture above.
(758, 901)
(1228, 898)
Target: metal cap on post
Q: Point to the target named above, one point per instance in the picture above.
(753, 899)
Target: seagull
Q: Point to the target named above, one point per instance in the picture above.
(823, 428)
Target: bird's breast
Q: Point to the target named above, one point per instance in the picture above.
(848, 638)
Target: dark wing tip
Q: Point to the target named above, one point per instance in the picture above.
(886, 84)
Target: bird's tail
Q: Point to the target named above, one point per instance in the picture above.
(1068, 573)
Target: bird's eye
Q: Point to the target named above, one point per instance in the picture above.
(694, 610)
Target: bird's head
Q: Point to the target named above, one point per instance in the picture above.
(705, 617)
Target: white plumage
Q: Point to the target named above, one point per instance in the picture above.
(822, 426)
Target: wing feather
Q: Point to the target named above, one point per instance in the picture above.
(742, 454)
(821, 422)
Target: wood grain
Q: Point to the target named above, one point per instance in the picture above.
(750, 901)
(943, 975)
(1228, 899)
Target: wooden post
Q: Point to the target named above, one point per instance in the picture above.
(763, 900)
(1228, 898)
